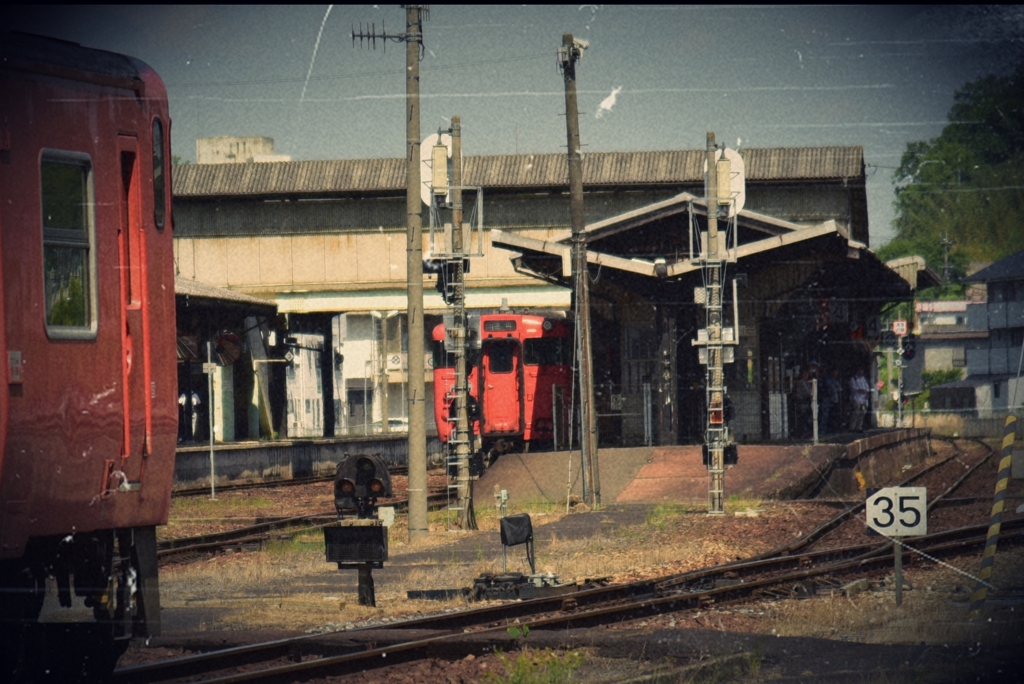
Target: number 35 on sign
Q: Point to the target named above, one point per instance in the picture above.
(898, 511)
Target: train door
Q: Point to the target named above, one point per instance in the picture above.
(134, 361)
(500, 387)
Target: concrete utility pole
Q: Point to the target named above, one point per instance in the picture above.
(413, 38)
(568, 54)
(467, 517)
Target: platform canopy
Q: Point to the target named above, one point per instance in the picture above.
(660, 243)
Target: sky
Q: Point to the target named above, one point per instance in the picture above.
(653, 78)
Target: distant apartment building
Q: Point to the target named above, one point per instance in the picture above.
(230, 149)
(982, 335)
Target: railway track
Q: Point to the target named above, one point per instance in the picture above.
(343, 652)
(267, 484)
(797, 568)
(261, 532)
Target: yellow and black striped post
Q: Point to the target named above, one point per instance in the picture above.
(988, 558)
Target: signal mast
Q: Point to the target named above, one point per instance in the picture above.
(724, 195)
(451, 249)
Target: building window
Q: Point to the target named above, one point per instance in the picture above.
(68, 235)
(959, 357)
(996, 390)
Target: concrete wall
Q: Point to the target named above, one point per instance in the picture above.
(285, 460)
(878, 459)
(359, 270)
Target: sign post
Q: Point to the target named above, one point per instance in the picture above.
(898, 512)
(209, 368)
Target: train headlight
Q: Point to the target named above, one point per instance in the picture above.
(347, 487)
(376, 486)
(547, 325)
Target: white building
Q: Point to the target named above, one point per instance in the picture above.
(231, 149)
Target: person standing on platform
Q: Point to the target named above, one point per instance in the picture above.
(859, 390)
(829, 391)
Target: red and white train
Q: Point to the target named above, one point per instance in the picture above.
(88, 421)
(520, 377)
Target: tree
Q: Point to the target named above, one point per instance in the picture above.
(968, 183)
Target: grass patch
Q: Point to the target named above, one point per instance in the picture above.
(660, 515)
(531, 666)
(741, 502)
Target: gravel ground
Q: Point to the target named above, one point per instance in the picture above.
(863, 638)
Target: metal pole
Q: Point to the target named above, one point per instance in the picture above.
(714, 437)
(383, 374)
(414, 263)
(897, 551)
(570, 54)
(814, 408)
(899, 386)
(209, 410)
(467, 517)
(556, 411)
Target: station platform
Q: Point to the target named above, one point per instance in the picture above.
(675, 474)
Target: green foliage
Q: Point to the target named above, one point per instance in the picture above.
(178, 161)
(515, 631)
(950, 292)
(537, 667)
(932, 378)
(968, 183)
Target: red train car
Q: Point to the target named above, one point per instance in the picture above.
(519, 379)
(88, 421)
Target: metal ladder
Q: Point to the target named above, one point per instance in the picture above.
(454, 506)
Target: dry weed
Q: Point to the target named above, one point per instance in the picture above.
(933, 612)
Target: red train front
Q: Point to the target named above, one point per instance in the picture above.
(519, 379)
(88, 421)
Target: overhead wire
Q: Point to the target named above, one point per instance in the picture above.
(361, 74)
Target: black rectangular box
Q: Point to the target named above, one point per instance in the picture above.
(356, 543)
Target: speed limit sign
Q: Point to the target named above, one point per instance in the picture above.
(898, 511)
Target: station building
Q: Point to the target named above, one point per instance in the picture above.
(324, 243)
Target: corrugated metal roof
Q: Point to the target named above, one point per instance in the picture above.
(512, 171)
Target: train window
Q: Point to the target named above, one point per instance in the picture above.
(67, 204)
(159, 197)
(499, 358)
(549, 351)
(499, 326)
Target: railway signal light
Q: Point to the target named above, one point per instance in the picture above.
(360, 480)
(730, 454)
(362, 542)
(909, 347)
